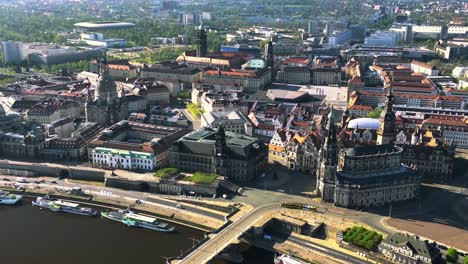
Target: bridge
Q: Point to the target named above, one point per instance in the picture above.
(221, 240)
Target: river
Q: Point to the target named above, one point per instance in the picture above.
(29, 235)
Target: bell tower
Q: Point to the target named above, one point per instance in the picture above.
(386, 133)
(326, 170)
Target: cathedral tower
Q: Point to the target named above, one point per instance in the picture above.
(387, 130)
(326, 171)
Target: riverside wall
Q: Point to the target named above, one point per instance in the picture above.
(52, 170)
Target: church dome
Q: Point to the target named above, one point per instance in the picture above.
(364, 123)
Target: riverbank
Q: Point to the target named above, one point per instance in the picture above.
(108, 200)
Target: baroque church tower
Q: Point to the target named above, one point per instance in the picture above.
(106, 107)
(387, 130)
(328, 161)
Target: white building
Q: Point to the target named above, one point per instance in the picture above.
(233, 121)
(123, 159)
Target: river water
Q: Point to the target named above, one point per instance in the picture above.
(29, 235)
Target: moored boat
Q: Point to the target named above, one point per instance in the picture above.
(137, 220)
(8, 198)
(63, 206)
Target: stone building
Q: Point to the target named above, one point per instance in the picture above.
(403, 248)
(295, 150)
(106, 107)
(237, 157)
(365, 176)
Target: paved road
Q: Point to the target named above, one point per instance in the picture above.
(186, 207)
(110, 192)
(327, 251)
(218, 242)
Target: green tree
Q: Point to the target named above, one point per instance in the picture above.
(375, 113)
(466, 260)
(451, 255)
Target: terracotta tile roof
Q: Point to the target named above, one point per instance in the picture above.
(250, 74)
(447, 120)
(119, 67)
(361, 107)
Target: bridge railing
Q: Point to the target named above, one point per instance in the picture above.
(199, 244)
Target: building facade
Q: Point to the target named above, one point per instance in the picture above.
(122, 159)
(364, 176)
(403, 248)
(237, 157)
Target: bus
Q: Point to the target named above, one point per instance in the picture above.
(299, 206)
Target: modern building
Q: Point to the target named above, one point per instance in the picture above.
(202, 42)
(238, 157)
(12, 52)
(98, 40)
(358, 33)
(409, 249)
(47, 54)
(104, 25)
(383, 39)
(246, 51)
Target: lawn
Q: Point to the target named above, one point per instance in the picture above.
(361, 237)
(201, 178)
(194, 110)
(205, 178)
(166, 173)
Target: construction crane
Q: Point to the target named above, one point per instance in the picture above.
(149, 55)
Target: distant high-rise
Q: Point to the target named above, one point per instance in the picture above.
(313, 27)
(202, 42)
(409, 34)
(444, 32)
(358, 33)
(12, 52)
(270, 60)
(329, 29)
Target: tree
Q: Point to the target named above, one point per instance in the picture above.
(466, 260)
(375, 113)
(452, 255)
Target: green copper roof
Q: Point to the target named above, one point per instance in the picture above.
(260, 64)
(131, 154)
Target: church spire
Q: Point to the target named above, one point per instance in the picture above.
(329, 150)
(386, 132)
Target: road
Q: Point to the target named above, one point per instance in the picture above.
(218, 242)
(326, 251)
(112, 192)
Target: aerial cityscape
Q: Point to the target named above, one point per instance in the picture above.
(251, 131)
